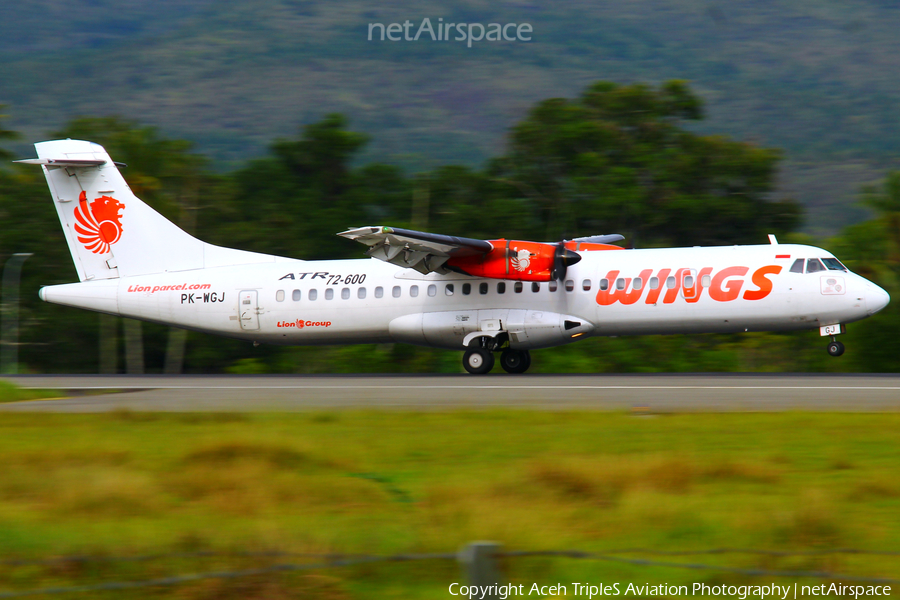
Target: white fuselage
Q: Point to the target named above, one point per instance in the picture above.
(286, 301)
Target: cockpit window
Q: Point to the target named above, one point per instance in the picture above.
(814, 265)
(834, 264)
(797, 267)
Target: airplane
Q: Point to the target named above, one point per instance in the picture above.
(483, 297)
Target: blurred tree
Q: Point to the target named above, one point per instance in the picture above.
(872, 249)
(305, 192)
(618, 159)
(886, 202)
(6, 135)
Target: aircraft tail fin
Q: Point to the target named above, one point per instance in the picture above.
(111, 233)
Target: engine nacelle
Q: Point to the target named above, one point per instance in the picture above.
(525, 329)
(510, 259)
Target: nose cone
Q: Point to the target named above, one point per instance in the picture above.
(570, 258)
(876, 298)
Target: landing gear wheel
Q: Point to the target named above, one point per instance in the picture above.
(835, 348)
(515, 361)
(478, 361)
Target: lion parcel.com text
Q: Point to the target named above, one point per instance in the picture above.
(742, 592)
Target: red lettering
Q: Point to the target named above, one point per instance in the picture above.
(697, 290)
(760, 281)
(653, 295)
(612, 294)
(732, 288)
(672, 293)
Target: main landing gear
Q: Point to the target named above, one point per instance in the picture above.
(479, 361)
(515, 361)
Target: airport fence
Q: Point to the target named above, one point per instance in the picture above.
(480, 563)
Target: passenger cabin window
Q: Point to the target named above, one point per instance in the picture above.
(313, 294)
(570, 285)
(296, 295)
(279, 296)
(637, 283)
(654, 283)
(620, 283)
(604, 284)
(345, 294)
(553, 285)
(518, 287)
(396, 291)
(379, 292)
(432, 290)
(483, 288)
(586, 285)
(501, 287)
(834, 264)
(670, 283)
(814, 265)
(361, 293)
(797, 267)
(705, 281)
(329, 294)
(535, 287)
(467, 289)
(689, 281)
(448, 290)
(413, 291)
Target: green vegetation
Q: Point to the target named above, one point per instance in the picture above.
(618, 158)
(13, 393)
(127, 484)
(817, 79)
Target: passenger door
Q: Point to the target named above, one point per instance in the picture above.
(248, 308)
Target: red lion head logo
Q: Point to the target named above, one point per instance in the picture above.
(99, 225)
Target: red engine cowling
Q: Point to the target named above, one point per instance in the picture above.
(510, 259)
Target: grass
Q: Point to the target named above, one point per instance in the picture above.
(397, 482)
(13, 393)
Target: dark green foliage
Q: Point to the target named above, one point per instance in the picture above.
(305, 191)
(813, 78)
(619, 158)
(6, 135)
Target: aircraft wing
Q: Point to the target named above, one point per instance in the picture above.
(599, 239)
(424, 252)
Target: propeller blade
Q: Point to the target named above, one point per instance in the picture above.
(563, 258)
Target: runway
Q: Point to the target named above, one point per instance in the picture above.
(642, 393)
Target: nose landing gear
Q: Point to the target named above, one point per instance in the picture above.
(835, 348)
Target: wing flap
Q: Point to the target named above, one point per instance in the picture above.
(424, 252)
(62, 162)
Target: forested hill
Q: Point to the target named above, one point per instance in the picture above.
(818, 78)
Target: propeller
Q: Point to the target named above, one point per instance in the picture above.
(563, 258)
